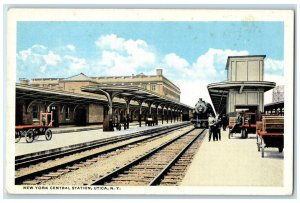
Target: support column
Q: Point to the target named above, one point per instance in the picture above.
(162, 113)
(140, 101)
(156, 116)
(149, 112)
(171, 111)
(128, 100)
(108, 121)
(140, 113)
(167, 115)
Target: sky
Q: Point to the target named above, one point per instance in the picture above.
(191, 54)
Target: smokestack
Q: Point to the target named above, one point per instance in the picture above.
(159, 71)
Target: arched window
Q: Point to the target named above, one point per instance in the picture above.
(35, 112)
(67, 113)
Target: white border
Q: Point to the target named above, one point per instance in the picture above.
(15, 15)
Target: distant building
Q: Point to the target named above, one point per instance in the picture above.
(155, 83)
(70, 105)
(278, 94)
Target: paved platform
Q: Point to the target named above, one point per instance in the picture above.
(234, 162)
(70, 128)
(67, 136)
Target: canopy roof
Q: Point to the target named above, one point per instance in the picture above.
(41, 94)
(219, 91)
(134, 93)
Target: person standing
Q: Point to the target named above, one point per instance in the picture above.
(218, 127)
(211, 122)
(224, 121)
(237, 124)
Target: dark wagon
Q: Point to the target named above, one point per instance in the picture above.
(32, 132)
(270, 133)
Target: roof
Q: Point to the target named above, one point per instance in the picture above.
(219, 91)
(28, 92)
(245, 56)
(39, 94)
(79, 77)
(275, 104)
(133, 92)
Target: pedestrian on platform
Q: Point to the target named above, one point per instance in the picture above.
(211, 122)
(43, 120)
(239, 121)
(224, 121)
(218, 127)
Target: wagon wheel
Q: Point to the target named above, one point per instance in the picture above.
(36, 134)
(29, 136)
(17, 136)
(262, 149)
(246, 133)
(48, 134)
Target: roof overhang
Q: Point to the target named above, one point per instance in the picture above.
(134, 93)
(38, 94)
(219, 91)
(274, 105)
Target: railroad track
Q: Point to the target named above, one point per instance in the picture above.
(37, 176)
(163, 165)
(27, 160)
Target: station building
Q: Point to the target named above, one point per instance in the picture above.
(137, 94)
(244, 88)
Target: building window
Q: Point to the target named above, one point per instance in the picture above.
(153, 87)
(35, 112)
(144, 86)
(67, 113)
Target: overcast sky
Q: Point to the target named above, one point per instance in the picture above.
(191, 54)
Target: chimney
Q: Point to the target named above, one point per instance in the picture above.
(24, 81)
(159, 72)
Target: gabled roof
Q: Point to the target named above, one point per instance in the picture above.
(79, 77)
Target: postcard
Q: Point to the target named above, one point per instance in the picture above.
(149, 101)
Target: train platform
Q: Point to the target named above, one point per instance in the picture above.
(70, 128)
(67, 136)
(235, 162)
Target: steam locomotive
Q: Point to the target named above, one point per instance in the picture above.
(201, 114)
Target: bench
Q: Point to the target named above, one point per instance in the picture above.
(269, 133)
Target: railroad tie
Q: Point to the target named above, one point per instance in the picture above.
(31, 182)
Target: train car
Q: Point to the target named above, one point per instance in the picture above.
(201, 114)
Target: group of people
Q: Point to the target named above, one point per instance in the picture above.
(215, 124)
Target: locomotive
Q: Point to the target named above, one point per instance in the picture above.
(201, 114)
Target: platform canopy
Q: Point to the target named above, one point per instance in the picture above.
(134, 93)
(219, 91)
(42, 94)
(274, 106)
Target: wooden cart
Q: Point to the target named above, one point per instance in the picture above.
(270, 133)
(32, 132)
